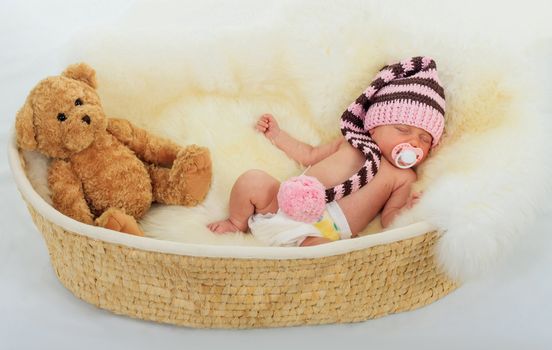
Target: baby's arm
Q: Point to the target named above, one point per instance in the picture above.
(299, 151)
(399, 198)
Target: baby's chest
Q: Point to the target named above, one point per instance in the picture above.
(338, 167)
(378, 190)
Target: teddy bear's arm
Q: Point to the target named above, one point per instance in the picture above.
(67, 193)
(150, 148)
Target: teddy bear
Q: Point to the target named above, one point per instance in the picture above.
(105, 171)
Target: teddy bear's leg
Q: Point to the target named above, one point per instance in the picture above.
(187, 182)
(192, 170)
(167, 192)
(117, 220)
(163, 190)
(67, 194)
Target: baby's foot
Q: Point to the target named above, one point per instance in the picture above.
(224, 226)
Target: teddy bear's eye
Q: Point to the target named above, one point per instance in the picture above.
(61, 117)
(78, 102)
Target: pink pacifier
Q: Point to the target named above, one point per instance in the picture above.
(406, 156)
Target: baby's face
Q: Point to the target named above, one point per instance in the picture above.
(389, 136)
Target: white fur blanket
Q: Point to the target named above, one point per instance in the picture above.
(202, 73)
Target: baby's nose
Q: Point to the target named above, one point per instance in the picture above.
(415, 142)
(411, 142)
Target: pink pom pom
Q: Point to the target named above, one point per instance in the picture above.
(302, 198)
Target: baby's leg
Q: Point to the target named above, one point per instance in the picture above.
(253, 193)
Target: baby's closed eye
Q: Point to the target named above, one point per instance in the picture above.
(403, 129)
(425, 139)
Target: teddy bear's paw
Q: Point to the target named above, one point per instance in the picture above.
(190, 160)
(121, 129)
(116, 220)
(191, 174)
(191, 201)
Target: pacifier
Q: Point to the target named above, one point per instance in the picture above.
(406, 156)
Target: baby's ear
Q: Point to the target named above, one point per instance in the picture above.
(81, 72)
(24, 127)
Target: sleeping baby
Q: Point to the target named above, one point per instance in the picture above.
(390, 128)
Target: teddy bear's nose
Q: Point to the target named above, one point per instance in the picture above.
(86, 119)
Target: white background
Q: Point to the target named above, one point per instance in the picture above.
(508, 309)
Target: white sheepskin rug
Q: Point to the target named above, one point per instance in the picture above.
(203, 73)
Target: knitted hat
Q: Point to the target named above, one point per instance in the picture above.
(407, 92)
(417, 100)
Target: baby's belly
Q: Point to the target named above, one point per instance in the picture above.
(338, 167)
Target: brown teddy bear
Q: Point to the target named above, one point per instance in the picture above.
(105, 171)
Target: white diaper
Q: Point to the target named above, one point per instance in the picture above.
(280, 230)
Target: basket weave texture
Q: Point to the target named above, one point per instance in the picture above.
(208, 292)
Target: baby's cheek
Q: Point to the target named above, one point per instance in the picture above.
(387, 151)
(388, 157)
(426, 150)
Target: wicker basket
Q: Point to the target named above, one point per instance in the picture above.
(238, 287)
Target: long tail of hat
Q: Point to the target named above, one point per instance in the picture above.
(352, 124)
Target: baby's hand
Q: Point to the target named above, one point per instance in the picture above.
(413, 199)
(268, 126)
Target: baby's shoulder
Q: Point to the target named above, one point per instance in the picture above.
(396, 175)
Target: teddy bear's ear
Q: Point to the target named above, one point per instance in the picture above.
(24, 128)
(81, 72)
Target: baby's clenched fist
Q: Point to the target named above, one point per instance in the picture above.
(268, 125)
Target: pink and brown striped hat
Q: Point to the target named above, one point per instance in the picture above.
(417, 100)
(406, 92)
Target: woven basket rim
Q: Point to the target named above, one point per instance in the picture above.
(194, 249)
